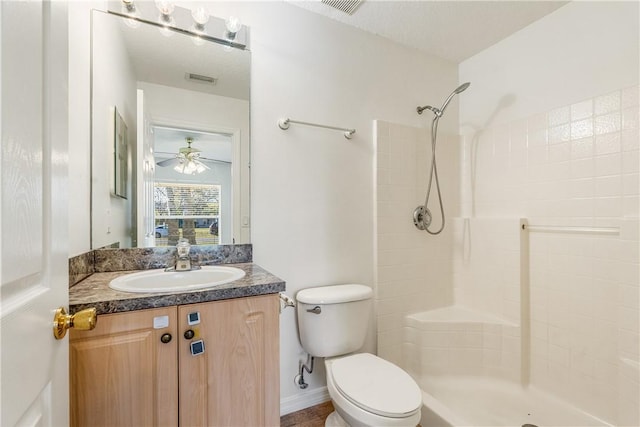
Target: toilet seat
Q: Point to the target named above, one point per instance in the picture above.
(376, 385)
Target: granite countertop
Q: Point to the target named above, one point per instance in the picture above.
(94, 291)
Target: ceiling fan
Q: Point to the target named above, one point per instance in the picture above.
(188, 160)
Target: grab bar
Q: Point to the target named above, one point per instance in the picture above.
(603, 231)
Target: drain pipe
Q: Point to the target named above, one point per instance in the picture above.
(287, 301)
(308, 366)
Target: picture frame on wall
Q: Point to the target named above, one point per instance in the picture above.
(120, 155)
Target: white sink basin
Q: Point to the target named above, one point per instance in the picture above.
(171, 281)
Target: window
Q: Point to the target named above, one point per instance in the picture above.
(191, 211)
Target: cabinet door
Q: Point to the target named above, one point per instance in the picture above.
(122, 374)
(235, 381)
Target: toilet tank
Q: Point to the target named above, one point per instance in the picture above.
(333, 320)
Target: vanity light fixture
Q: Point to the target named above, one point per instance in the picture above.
(169, 19)
(233, 25)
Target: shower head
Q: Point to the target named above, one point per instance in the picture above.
(440, 111)
(457, 90)
(462, 87)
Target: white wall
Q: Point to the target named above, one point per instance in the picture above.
(551, 134)
(580, 50)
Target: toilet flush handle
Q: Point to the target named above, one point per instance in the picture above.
(315, 310)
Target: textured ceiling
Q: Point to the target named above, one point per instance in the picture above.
(454, 30)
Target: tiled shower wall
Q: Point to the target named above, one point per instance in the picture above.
(576, 165)
(577, 161)
(413, 269)
(487, 266)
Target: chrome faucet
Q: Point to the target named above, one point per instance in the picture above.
(183, 262)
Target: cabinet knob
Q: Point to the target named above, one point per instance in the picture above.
(166, 338)
(84, 320)
(188, 334)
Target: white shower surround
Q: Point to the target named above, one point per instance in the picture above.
(557, 145)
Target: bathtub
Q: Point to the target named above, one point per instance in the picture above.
(474, 401)
(470, 368)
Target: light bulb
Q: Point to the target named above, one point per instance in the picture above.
(233, 25)
(190, 168)
(200, 168)
(128, 6)
(165, 7)
(200, 16)
(129, 10)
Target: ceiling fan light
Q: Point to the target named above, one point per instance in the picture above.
(190, 167)
(189, 163)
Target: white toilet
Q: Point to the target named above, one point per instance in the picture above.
(365, 389)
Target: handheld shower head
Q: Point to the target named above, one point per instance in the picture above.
(456, 91)
(440, 111)
(462, 87)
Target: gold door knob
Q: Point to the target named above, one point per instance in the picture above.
(84, 320)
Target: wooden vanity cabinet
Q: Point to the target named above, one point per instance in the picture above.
(122, 374)
(236, 381)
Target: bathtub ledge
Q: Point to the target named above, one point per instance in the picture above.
(454, 314)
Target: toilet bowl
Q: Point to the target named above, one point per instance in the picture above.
(369, 391)
(365, 389)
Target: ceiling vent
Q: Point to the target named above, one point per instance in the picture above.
(199, 78)
(346, 6)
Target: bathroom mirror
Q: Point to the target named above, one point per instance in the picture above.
(184, 103)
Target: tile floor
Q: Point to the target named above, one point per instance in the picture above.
(309, 417)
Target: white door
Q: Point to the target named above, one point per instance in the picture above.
(34, 368)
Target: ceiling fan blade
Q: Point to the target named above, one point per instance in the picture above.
(168, 162)
(214, 160)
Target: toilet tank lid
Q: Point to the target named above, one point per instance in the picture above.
(334, 294)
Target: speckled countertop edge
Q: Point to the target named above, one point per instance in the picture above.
(94, 291)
